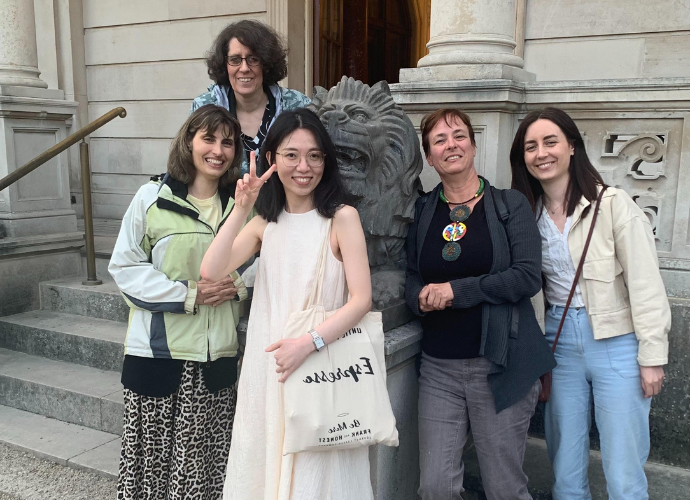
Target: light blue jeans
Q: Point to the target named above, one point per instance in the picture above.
(607, 370)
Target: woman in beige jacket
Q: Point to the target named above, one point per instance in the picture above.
(614, 341)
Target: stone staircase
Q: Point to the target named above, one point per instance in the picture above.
(60, 385)
(60, 391)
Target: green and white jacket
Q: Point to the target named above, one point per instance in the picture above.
(156, 264)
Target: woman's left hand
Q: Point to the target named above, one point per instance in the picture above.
(219, 291)
(436, 297)
(651, 377)
(290, 354)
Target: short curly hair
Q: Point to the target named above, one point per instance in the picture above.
(261, 39)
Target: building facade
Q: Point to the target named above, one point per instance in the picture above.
(621, 69)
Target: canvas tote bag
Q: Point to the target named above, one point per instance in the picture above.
(337, 398)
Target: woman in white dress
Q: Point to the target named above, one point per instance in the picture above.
(295, 207)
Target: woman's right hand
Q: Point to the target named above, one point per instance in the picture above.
(435, 297)
(247, 189)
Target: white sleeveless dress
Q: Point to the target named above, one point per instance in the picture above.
(256, 467)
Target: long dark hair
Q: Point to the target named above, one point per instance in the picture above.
(258, 37)
(329, 194)
(583, 177)
(209, 118)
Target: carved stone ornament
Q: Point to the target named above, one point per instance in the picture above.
(644, 152)
(644, 157)
(380, 160)
(650, 203)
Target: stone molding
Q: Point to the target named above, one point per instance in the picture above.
(34, 103)
(476, 49)
(28, 245)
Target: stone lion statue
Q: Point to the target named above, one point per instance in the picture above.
(380, 161)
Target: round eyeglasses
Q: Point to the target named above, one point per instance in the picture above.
(237, 60)
(314, 158)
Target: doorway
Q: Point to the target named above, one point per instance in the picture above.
(369, 40)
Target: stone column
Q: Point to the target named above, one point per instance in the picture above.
(470, 40)
(18, 59)
(472, 65)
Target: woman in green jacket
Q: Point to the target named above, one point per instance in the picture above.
(180, 365)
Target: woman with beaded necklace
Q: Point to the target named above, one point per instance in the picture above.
(474, 262)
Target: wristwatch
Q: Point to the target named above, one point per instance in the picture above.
(318, 341)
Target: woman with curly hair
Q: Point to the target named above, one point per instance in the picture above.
(247, 60)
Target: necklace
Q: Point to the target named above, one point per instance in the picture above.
(456, 230)
(552, 211)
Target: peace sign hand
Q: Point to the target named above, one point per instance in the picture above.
(247, 189)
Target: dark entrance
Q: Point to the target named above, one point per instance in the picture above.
(369, 40)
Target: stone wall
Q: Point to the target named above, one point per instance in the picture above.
(603, 39)
(148, 57)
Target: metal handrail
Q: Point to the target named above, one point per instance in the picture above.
(91, 278)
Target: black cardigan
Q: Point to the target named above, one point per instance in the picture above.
(511, 336)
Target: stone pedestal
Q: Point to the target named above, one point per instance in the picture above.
(33, 120)
(38, 228)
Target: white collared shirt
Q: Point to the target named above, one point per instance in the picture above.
(556, 262)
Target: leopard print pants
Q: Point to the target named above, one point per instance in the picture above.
(176, 447)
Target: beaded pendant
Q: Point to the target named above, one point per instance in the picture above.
(454, 231)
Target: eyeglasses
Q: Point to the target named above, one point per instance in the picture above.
(314, 158)
(237, 60)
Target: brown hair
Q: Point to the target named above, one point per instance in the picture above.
(209, 118)
(448, 114)
(258, 37)
(583, 177)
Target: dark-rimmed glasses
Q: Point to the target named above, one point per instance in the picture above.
(237, 60)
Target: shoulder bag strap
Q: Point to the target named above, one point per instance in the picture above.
(315, 295)
(579, 269)
(501, 205)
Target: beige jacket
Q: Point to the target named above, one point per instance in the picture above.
(620, 282)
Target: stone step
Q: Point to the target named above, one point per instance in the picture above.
(66, 444)
(69, 392)
(665, 482)
(94, 342)
(71, 296)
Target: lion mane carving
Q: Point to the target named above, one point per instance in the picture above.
(380, 161)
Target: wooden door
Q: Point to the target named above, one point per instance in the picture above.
(389, 35)
(366, 39)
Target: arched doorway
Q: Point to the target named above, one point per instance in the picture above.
(369, 40)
